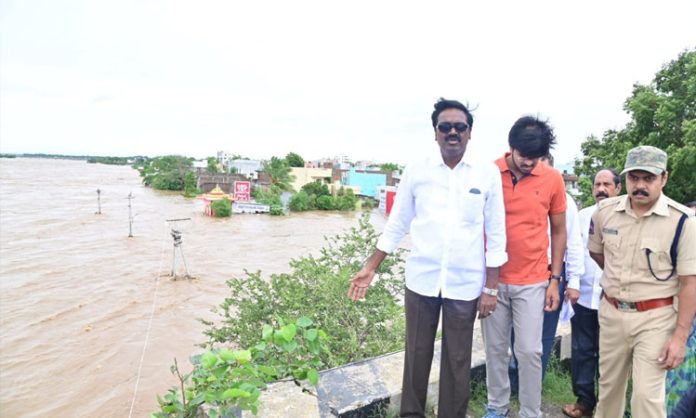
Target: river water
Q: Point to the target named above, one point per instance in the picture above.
(89, 321)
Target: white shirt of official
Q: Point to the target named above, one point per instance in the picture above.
(590, 290)
(448, 211)
(573, 257)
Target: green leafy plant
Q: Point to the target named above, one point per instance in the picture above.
(224, 380)
(222, 208)
(316, 288)
(299, 202)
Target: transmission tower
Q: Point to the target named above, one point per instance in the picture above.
(176, 235)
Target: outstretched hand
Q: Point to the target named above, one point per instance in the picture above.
(359, 284)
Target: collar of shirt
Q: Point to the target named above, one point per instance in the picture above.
(659, 208)
(503, 166)
(437, 161)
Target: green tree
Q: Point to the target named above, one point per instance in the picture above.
(326, 203)
(190, 189)
(165, 173)
(299, 202)
(663, 114)
(212, 165)
(316, 188)
(389, 167)
(222, 208)
(278, 171)
(345, 200)
(294, 160)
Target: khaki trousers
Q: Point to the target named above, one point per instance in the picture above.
(630, 343)
(519, 307)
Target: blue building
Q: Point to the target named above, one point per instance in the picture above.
(368, 181)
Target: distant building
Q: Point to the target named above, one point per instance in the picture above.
(247, 168)
(304, 175)
(368, 181)
(224, 157)
(571, 183)
(341, 159)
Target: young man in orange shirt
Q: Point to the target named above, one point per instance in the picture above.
(534, 196)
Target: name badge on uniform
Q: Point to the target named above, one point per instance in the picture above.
(610, 231)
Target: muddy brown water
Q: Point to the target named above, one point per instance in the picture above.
(77, 294)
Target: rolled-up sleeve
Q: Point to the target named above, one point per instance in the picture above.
(400, 217)
(575, 262)
(494, 221)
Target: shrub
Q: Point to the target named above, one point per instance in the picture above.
(345, 200)
(325, 203)
(316, 287)
(268, 196)
(222, 208)
(276, 210)
(299, 202)
(225, 380)
(316, 188)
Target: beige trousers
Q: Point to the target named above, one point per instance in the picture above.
(629, 345)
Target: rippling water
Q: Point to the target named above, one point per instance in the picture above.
(76, 294)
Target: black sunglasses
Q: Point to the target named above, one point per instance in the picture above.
(446, 127)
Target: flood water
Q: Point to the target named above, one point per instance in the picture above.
(89, 321)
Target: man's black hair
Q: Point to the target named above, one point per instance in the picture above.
(614, 173)
(531, 137)
(444, 104)
(691, 204)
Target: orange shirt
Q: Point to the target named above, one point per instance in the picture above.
(528, 205)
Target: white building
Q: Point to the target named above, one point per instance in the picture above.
(248, 168)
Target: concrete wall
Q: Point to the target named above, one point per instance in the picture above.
(360, 389)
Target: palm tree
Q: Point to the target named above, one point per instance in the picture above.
(278, 171)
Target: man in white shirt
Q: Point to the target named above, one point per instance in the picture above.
(448, 203)
(584, 324)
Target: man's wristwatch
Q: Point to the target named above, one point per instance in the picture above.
(555, 277)
(492, 292)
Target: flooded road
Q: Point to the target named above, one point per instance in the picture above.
(77, 295)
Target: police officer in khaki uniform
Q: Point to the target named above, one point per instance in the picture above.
(643, 327)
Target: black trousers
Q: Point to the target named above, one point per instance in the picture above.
(584, 360)
(422, 316)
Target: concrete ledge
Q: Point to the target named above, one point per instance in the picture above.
(363, 388)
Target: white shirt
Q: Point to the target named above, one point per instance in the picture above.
(590, 290)
(573, 257)
(448, 211)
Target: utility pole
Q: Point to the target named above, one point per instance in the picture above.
(98, 202)
(176, 234)
(130, 215)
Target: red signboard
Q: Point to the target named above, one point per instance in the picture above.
(242, 191)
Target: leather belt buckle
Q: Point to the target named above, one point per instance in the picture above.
(625, 306)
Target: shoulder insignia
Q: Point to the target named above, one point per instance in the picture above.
(611, 201)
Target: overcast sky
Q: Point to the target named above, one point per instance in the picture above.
(262, 78)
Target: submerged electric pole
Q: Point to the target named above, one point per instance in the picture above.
(176, 234)
(130, 215)
(98, 202)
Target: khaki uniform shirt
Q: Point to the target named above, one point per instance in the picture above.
(623, 237)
